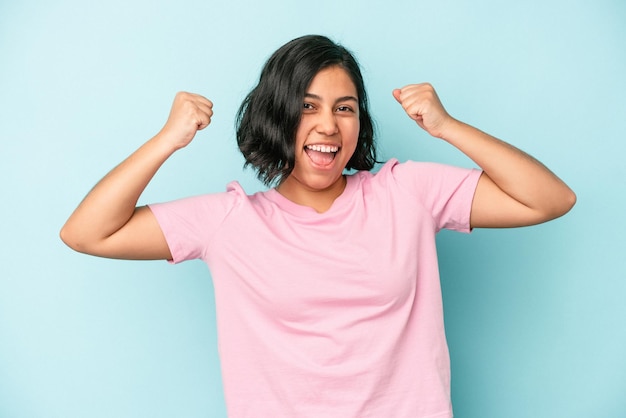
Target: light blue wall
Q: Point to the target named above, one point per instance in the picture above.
(536, 316)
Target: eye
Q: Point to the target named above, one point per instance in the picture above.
(345, 109)
(307, 106)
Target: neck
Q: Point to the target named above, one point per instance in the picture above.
(318, 199)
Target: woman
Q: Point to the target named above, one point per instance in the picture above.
(327, 287)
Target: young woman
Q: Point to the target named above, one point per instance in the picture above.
(327, 287)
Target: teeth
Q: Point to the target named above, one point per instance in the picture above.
(323, 148)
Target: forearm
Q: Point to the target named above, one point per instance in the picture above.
(516, 173)
(515, 189)
(111, 203)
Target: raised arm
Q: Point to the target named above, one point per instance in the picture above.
(107, 223)
(514, 190)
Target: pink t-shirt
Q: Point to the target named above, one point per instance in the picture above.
(334, 314)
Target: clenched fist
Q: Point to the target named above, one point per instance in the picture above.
(421, 103)
(189, 114)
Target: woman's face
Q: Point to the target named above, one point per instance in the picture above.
(328, 132)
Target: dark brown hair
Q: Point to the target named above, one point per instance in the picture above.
(269, 116)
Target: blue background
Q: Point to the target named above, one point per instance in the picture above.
(535, 316)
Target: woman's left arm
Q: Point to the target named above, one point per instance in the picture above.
(514, 190)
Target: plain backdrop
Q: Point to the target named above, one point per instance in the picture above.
(535, 317)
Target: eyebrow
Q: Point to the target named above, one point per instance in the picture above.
(339, 99)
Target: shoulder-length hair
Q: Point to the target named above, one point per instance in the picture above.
(269, 116)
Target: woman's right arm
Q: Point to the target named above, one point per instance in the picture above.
(107, 222)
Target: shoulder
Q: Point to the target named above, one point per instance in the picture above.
(203, 205)
(421, 178)
(412, 171)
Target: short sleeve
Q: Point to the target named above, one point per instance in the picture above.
(444, 191)
(190, 224)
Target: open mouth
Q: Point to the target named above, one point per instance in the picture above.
(321, 155)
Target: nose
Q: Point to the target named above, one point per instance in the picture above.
(327, 123)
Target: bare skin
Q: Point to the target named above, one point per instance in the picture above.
(514, 190)
(107, 223)
(330, 118)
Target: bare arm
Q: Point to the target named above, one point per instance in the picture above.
(514, 190)
(107, 223)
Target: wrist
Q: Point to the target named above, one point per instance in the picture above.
(449, 129)
(165, 143)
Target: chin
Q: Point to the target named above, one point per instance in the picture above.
(323, 182)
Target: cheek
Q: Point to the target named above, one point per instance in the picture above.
(302, 133)
(353, 132)
(299, 141)
(357, 130)
(351, 140)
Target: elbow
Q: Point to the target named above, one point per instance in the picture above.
(81, 240)
(72, 239)
(565, 203)
(571, 200)
(568, 201)
(68, 238)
